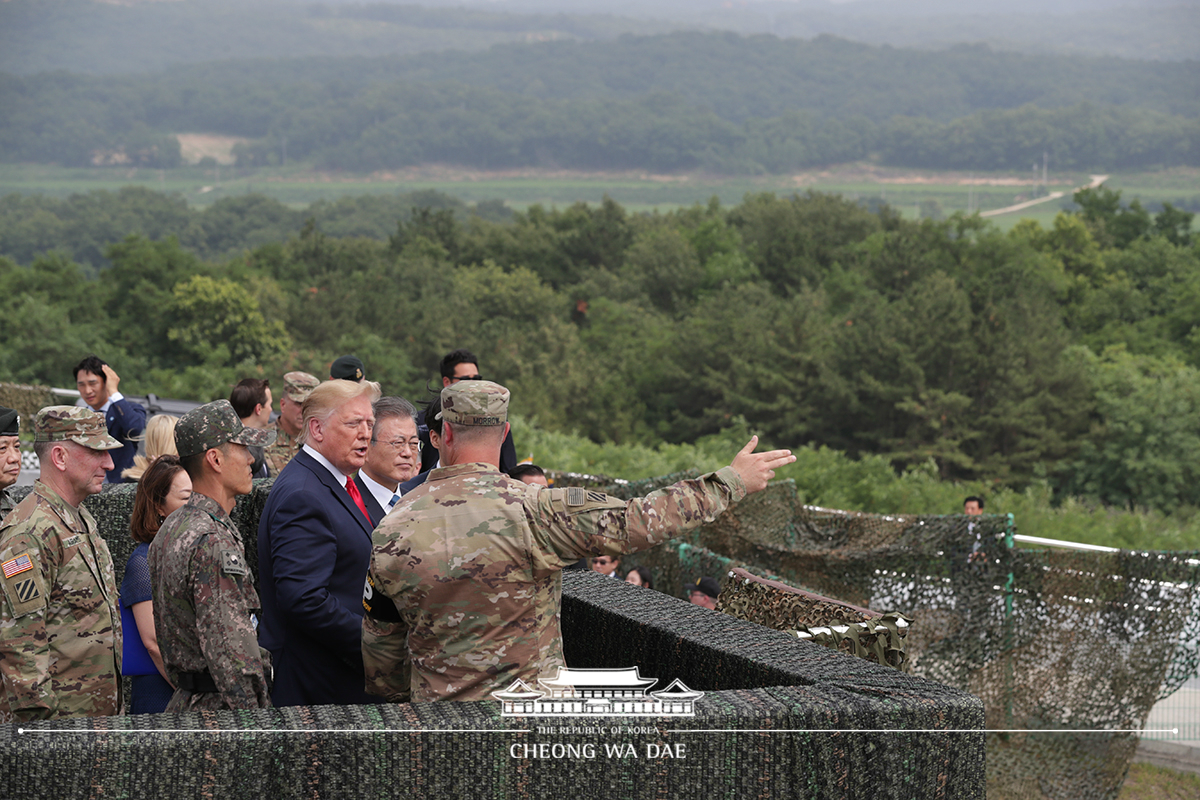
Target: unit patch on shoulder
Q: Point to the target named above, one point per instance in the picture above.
(232, 563)
(23, 586)
(26, 590)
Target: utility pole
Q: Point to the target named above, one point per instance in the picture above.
(1045, 168)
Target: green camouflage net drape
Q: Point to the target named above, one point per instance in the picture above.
(1072, 640)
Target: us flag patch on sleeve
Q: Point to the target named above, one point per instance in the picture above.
(15, 566)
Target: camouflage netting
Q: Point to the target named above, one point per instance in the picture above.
(1049, 639)
(912, 738)
(857, 631)
(27, 400)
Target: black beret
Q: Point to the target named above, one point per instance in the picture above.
(347, 368)
(10, 422)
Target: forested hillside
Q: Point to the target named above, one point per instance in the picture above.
(717, 102)
(1069, 355)
(97, 37)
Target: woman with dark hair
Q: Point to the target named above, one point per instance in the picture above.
(640, 576)
(163, 488)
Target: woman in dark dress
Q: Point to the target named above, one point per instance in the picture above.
(163, 488)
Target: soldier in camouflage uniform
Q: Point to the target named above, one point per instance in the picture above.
(297, 386)
(10, 457)
(204, 596)
(465, 582)
(60, 625)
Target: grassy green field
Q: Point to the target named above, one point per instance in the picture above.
(905, 190)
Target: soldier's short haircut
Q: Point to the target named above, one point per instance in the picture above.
(332, 395)
(393, 407)
(479, 434)
(978, 500)
(453, 359)
(248, 394)
(42, 449)
(193, 465)
(431, 411)
(152, 492)
(92, 364)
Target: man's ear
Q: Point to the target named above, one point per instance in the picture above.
(58, 457)
(215, 458)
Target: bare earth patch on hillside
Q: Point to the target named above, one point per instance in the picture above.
(195, 146)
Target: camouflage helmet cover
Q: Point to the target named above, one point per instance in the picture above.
(212, 425)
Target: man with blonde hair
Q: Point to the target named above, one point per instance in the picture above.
(314, 543)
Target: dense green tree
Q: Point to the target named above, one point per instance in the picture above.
(1140, 452)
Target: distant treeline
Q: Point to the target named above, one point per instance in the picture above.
(669, 103)
(1065, 357)
(127, 37)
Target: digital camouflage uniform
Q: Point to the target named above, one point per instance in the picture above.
(466, 573)
(204, 595)
(60, 625)
(203, 598)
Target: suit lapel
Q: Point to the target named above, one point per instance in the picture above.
(338, 490)
(374, 510)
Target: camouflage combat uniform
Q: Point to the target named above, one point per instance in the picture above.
(60, 626)
(279, 454)
(468, 567)
(204, 597)
(6, 503)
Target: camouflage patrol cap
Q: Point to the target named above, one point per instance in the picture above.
(299, 385)
(474, 403)
(212, 425)
(73, 424)
(10, 422)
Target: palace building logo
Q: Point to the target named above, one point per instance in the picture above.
(597, 692)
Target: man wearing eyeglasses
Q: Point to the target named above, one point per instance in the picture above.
(393, 457)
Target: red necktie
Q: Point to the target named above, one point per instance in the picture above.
(358, 501)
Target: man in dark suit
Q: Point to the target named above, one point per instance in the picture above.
(314, 545)
(432, 428)
(394, 456)
(97, 383)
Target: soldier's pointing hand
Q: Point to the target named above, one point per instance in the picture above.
(757, 469)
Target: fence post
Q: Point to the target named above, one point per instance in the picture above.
(1008, 626)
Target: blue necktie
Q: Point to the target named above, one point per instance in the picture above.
(395, 499)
